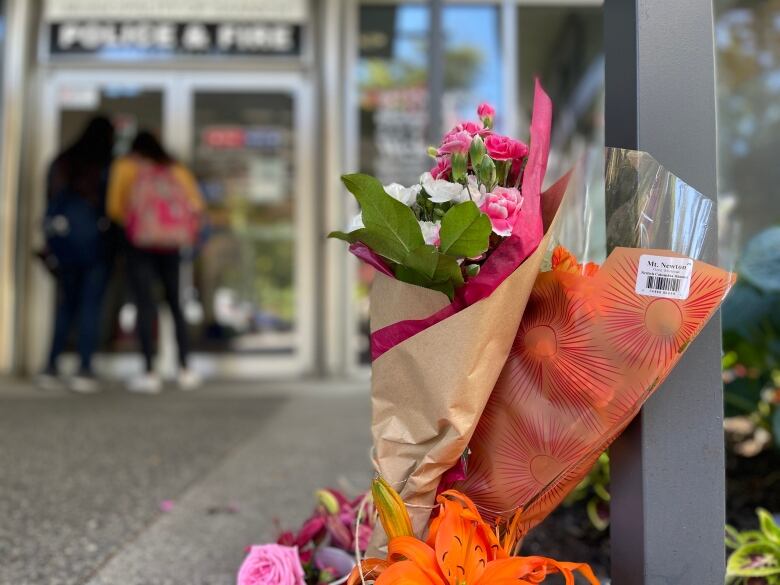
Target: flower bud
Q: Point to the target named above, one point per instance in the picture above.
(477, 151)
(391, 509)
(486, 113)
(328, 501)
(487, 173)
(459, 166)
(433, 152)
(472, 270)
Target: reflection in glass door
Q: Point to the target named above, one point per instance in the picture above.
(243, 157)
(251, 300)
(130, 107)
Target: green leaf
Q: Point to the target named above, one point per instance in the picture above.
(386, 220)
(350, 237)
(776, 426)
(753, 560)
(760, 262)
(406, 274)
(386, 247)
(769, 527)
(383, 244)
(424, 260)
(448, 269)
(427, 267)
(599, 520)
(465, 231)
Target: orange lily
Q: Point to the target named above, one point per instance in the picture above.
(461, 549)
(564, 261)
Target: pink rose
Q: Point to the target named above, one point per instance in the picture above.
(486, 113)
(504, 148)
(502, 207)
(442, 168)
(271, 564)
(456, 143)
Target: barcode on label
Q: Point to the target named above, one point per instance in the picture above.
(664, 276)
(663, 284)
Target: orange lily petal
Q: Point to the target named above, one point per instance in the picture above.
(463, 546)
(486, 533)
(590, 269)
(532, 570)
(508, 570)
(371, 568)
(564, 261)
(583, 568)
(406, 573)
(416, 551)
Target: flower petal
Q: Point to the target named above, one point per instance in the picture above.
(371, 569)
(406, 573)
(416, 551)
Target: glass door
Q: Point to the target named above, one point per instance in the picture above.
(248, 286)
(70, 100)
(251, 293)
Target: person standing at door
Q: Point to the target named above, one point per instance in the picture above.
(157, 201)
(79, 247)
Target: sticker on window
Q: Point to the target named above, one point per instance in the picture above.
(664, 276)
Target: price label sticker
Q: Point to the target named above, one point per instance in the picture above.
(664, 276)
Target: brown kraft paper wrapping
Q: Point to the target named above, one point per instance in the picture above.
(429, 391)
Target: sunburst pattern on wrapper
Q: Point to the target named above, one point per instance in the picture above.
(578, 371)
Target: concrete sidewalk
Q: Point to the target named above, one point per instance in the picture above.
(82, 478)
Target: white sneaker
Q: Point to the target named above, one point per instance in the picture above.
(189, 380)
(145, 384)
(83, 385)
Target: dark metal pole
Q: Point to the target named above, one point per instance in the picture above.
(436, 60)
(668, 478)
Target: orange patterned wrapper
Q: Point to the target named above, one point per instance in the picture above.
(588, 353)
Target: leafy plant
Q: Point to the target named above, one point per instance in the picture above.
(392, 230)
(751, 337)
(595, 489)
(756, 556)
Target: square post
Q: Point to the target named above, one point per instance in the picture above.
(436, 62)
(668, 476)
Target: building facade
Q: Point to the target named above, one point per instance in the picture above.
(269, 102)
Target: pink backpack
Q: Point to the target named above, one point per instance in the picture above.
(160, 215)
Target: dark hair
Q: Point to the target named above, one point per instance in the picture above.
(94, 146)
(81, 168)
(146, 145)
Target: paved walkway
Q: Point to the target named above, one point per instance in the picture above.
(84, 479)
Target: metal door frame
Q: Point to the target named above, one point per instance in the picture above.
(178, 89)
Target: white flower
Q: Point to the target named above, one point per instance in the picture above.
(430, 231)
(441, 191)
(357, 223)
(477, 192)
(406, 195)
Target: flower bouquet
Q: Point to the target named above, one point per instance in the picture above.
(492, 377)
(457, 256)
(595, 341)
(461, 548)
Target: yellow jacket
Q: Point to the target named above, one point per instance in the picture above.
(120, 186)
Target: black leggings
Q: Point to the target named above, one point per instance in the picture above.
(145, 268)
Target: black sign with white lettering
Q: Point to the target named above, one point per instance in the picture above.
(128, 40)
